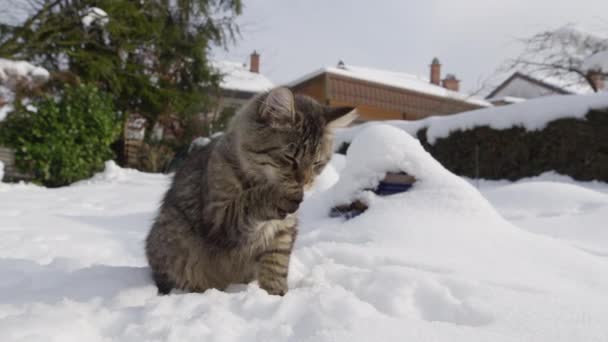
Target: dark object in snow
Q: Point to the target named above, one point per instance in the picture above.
(393, 183)
(348, 211)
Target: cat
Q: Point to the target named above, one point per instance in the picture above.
(229, 215)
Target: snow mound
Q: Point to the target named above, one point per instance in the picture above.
(112, 173)
(532, 115)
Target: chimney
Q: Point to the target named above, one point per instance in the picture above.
(451, 82)
(435, 71)
(254, 62)
(597, 79)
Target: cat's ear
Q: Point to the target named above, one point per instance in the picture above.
(278, 108)
(340, 116)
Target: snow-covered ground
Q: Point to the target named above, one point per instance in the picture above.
(437, 263)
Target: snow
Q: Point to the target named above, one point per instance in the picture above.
(95, 15)
(436, 263)
(395, 79)
(5, 110)
(532, 115)
(597, 62)
(508, 99)
(12, 71)
(1, 170)
(236, 76)
(198, 142)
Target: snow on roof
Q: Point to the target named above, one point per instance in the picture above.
(532, 115)
(395, 79)
(571, 84)
(237, 76)
(598, 61)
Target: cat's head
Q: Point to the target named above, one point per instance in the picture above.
(287, 137)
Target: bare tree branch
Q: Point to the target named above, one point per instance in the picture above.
(560, 54)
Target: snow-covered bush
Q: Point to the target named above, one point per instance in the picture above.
(65, 140)
(566, 134)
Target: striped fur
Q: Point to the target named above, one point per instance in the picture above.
(230, 213)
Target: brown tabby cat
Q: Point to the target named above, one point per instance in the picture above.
(229, 215)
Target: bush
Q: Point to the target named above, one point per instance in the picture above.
(574, 147)
(62, 141)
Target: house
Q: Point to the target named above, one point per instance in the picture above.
(240, 83)
(387, 95)
(520, 87)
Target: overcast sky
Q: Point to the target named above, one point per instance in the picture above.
(471, 38)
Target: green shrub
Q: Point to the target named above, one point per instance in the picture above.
(65, 139)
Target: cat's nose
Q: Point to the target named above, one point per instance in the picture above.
(300, 176)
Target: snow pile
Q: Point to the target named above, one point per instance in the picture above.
(112, 173)
(394, 79)
(236, 76)
(434, 263)
(597, 62)
(95, 16)
(532, 115)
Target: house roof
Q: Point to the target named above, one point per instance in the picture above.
(394, 79)
(527, 78)
(556, 85)
(236, 76)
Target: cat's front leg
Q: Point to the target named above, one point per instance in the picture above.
(273, 263)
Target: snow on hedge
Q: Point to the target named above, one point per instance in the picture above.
(532, 115)
(95, 15)
(436, 263)
(12, 71)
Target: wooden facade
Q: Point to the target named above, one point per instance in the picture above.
(11, 173)
(376, 101)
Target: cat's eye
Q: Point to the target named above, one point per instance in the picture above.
(318, 166)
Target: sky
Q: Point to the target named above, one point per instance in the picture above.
(471, 38)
